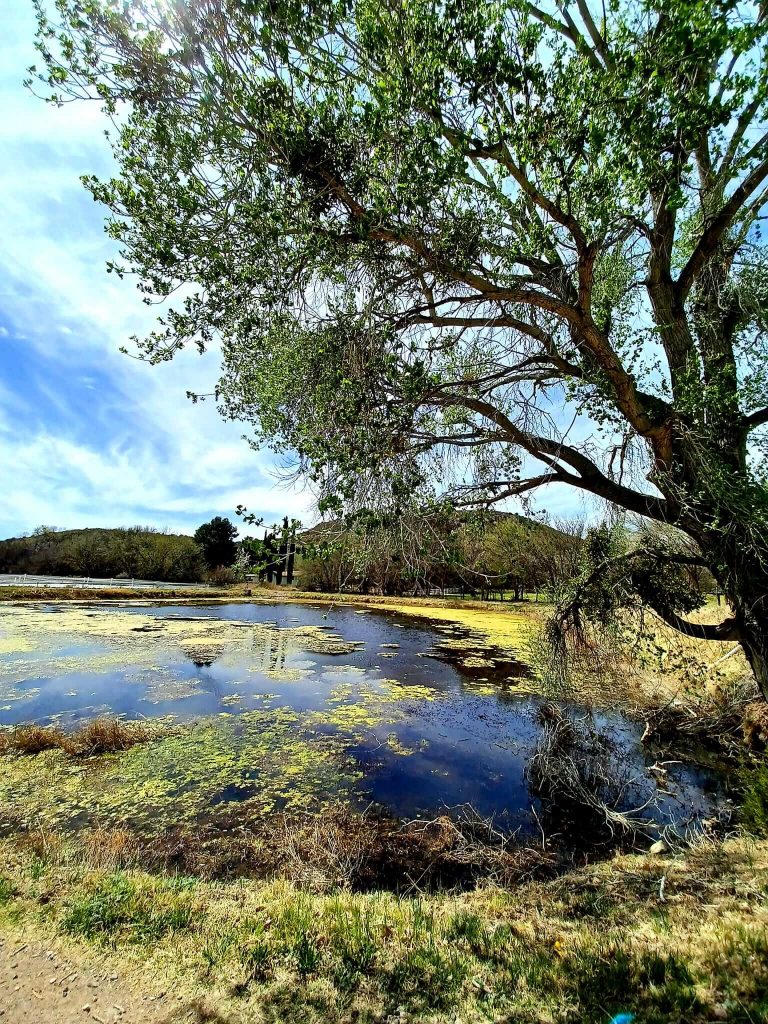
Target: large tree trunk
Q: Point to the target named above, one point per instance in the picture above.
(740, 569)
(754, 640)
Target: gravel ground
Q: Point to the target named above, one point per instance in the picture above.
(39, 985)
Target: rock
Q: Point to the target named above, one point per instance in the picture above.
(658, 848)
(720, 1011)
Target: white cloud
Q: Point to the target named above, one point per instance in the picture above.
(134, 449)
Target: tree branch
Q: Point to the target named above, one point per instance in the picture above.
(717, 228)
(726, 630)
(755, 419)
(552, 453)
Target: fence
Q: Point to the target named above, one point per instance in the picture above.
(91, 583)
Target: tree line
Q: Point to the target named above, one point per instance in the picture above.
(487, 555)
(139, 552)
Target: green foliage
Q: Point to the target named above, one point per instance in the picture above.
(137, 552)
(480, 554)
(618, 573)
(118, 908)
(217, 540)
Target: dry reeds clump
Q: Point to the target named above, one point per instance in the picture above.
(106, 736)
(726, 718)
(31, 739)
(99, 736)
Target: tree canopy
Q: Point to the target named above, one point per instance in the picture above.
(217, 540)
(461, 248)
(139, 551)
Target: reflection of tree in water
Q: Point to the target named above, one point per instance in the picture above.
(203, 655)
(270, 650)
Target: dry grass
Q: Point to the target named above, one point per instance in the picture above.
(99, 736)
(338, 849)
(31, 739)
(672, 940)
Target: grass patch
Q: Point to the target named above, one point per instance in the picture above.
(578, 949)
(117, 908)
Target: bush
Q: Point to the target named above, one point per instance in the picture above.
(222, 576)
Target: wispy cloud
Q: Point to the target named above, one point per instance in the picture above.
(88, 436)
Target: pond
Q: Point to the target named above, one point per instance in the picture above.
(286, 706)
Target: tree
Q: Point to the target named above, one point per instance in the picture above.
(462, 246)
(217, 539)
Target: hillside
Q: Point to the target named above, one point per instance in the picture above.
(470, 552)
(137, 552)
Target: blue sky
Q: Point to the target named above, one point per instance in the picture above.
(89, 436)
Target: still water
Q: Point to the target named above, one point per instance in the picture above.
(286, 706)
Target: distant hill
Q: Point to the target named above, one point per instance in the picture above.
(138, 552)
(477, 553)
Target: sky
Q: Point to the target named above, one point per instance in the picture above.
(88, 436)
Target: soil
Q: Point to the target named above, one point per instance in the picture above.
(39, 984)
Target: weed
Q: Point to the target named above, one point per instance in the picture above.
(7, 890)
(107, 735)
(739, 968)
(467, 926)
(306, 953)
(31, 739)
(353, 939)
(117, 909)
(257, 958)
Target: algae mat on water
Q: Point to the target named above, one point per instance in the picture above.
(259, 761)
(43, 643)
(264, 758)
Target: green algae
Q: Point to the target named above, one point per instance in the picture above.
(265, 757)
(397, 746)
(259, 761)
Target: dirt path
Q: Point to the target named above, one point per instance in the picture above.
(40, 985)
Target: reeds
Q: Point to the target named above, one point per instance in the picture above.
(98, 736)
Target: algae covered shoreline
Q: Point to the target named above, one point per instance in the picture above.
(272, 716)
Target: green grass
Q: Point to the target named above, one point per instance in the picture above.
(117, 908)
(576, 950)
(7, 890)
